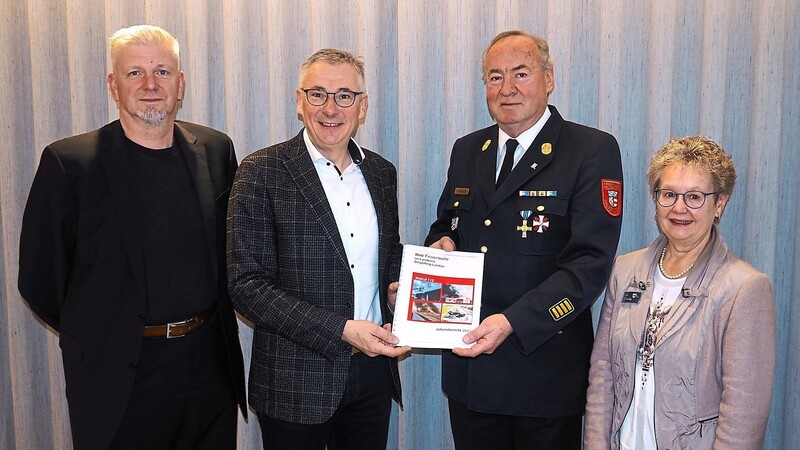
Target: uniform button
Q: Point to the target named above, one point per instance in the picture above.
(132, 365)
(455, 204)
(348, 203)
(487, 222)
(540, 208)
(140, 316)
(352, 266)
(484, 249)
(352, 235)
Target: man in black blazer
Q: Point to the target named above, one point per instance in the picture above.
(313, 245)
(542, 199)
(123, 254)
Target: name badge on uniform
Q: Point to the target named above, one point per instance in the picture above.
(632, 297)
(461, 191)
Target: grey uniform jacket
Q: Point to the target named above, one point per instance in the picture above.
(714, 356)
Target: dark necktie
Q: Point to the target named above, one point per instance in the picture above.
(508, 162)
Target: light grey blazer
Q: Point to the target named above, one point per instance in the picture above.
(714, 360)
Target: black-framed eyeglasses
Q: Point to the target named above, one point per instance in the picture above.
(344, 98)
(692, 199)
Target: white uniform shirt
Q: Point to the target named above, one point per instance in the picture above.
(351, 203)
(525, 140)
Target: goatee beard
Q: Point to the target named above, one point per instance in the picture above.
(152, 118)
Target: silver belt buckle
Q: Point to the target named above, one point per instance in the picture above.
(176, 324)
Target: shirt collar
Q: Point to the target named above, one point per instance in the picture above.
(528, 136)
(356, 154)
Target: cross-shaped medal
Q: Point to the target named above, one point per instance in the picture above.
(524, 227)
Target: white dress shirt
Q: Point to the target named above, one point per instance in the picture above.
(351, 203)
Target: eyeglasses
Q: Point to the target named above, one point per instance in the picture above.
(343, 98)
(692, 199)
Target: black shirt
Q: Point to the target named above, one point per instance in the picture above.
(176, 258)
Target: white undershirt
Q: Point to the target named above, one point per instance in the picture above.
(638, 430)
(351, 203)
(525, 140)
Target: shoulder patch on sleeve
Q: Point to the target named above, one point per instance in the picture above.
(611, 192)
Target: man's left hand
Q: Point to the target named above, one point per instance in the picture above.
(487, 337)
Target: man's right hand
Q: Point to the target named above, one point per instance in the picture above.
(445, 243)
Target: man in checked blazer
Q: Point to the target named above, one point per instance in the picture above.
(313, 247)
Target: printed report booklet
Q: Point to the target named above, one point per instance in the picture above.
(439, 298)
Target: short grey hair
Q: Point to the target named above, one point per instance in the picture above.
(335, 57)
(546, 60)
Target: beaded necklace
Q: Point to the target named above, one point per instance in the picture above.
(664, 272)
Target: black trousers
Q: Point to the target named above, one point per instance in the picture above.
(361, 421)
(183, 395)
(482, 431)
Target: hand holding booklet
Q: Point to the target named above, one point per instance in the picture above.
(439, 298)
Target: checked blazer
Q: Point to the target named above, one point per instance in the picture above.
(290, 277)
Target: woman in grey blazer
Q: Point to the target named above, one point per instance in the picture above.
(685, 350)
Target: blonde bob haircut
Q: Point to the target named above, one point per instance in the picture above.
(698, 152)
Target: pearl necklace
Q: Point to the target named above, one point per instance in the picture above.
(664, 272)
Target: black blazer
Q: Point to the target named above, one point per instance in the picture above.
(289, 275)
(81, 264)
(544, 282)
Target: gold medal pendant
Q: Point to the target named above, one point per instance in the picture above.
(524, 228)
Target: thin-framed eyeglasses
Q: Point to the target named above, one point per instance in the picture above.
(344, 98)
(692, 199)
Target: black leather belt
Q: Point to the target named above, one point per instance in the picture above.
(178, 329)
